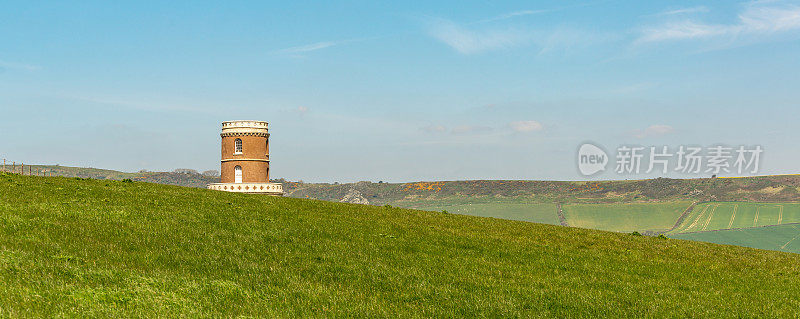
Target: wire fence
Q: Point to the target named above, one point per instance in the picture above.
(12, 167)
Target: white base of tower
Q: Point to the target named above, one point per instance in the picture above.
(275, 189)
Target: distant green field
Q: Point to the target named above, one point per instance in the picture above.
(732, 215)
(772, 226)
(625, 217)
(781, 237)
(544, 213)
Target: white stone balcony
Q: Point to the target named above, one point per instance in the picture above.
(250, 188)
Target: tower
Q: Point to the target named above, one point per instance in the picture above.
(244, 163)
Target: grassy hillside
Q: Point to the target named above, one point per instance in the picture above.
(170, 178)
(108, 248)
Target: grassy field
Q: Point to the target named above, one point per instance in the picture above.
(625, 217)
(544, 213)
(731, 215)
(772, 226)
(784, 237)
(96, 248)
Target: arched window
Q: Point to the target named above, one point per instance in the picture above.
(237, 174)
(237, 146)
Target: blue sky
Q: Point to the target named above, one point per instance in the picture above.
(395, 91)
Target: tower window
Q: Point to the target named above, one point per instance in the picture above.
(237, 146)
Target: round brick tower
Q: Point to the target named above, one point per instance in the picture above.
(245, 159)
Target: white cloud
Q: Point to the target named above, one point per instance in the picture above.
(434, 129)
(472, 39)
(18, 66)
(309, 47)
(514, 15)
(654, 130)
(470, 129)
(467, 41)
(755, 20)
(526, 126)
(690, 10)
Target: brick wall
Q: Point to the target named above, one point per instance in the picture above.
(254, 159)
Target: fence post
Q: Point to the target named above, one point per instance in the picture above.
(22, 169)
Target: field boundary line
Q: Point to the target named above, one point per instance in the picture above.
(755, 220)
(561, 218)
(790, 240)
(730, 224)
(740, 228)
(700, 216)
(683, 216)
(710, 216)
(780, 214)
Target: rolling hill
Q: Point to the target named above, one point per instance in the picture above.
(188, 178)
(650, 207)
(78, 247)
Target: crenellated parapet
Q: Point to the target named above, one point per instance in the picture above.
(258, 134)
(245, 128)
(244, 124)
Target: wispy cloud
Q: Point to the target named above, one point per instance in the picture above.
(756, 20)
(467, 41)
(526, 126)
(683, 11)
(653, 130)
(522, 13)
(460, 129)
(309, 47)
(514, 126)
(471, 40)
(18, 66)
(154, 104)
(465, 129)
(302, 110)
(434, 129)
(515, 14)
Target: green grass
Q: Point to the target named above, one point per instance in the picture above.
(627, 217)
(772, 226)
(544, 213)
(94, 248)
(732, 215)
(784, 237)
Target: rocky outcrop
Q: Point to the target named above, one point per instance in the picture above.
(354, 197)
